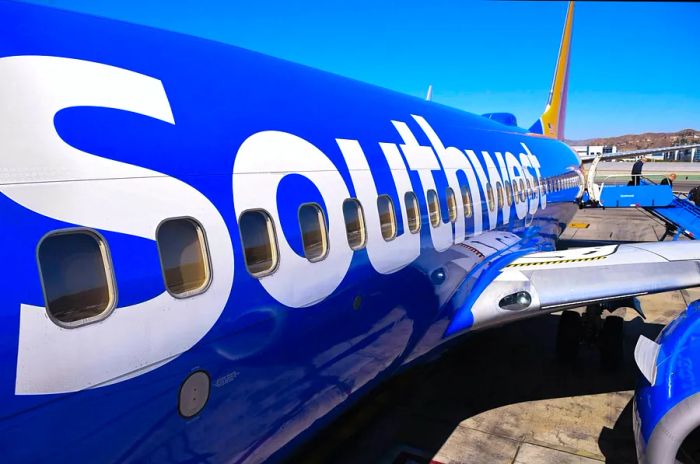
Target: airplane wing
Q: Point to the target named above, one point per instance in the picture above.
(546, 282)
(633, 153)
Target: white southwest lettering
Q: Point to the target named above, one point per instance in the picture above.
(453, 161)
(422, 160)
(133, 339)
(385, 257)
(141, 337)
(516, 174)
(261, 163)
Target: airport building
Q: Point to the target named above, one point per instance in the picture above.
(688, 155)
(593, 150)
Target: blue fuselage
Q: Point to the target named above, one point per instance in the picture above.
(187, 127)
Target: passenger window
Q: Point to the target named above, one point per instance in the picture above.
(451, 205)
(259, 242)
(508, 193)
(521, 193)
(467, 201)
(489, 196)
(314, 235)
(77, 277)
(354, 223)
(530, 190)
(412, 212)
(499, 194)
(433, 208)
(387, 217)
(183, 256)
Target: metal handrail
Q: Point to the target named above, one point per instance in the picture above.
(627, 176)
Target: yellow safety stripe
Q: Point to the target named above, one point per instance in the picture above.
(560, 261)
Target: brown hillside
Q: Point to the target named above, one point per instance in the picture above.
(646, 140)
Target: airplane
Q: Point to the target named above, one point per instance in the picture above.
(200, 274)
(667, 400)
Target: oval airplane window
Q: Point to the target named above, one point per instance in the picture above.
(387, 217)
(521, 193)
(499, 194)
(433, 208)
(467, 201)
(489, 196)
(412, 212)
(184, 257)
(354, 223)
(451, 205)
(259, 242)
(508, 193)
(313, 232)
(77, 277)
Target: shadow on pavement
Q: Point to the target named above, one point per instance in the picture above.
(421, 408)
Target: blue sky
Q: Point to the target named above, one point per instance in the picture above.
(634, 67)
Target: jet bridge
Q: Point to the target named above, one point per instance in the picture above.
(681, 216)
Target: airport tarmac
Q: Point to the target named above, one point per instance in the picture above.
(500, 396)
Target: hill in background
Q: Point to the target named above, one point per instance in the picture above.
(646, 140)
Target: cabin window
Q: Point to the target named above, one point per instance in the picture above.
(499, 194)
(508, 193)
(522, 190)
(314, 235)
(451, 205)
(467, 201)
(433, 208)
(77, 277)
(387, 217)
(259, 242)
(354, 223)
(184, 258)
(412, 212)
(530, 191)
(489, 197)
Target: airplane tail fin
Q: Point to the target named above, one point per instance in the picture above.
(551, 123)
